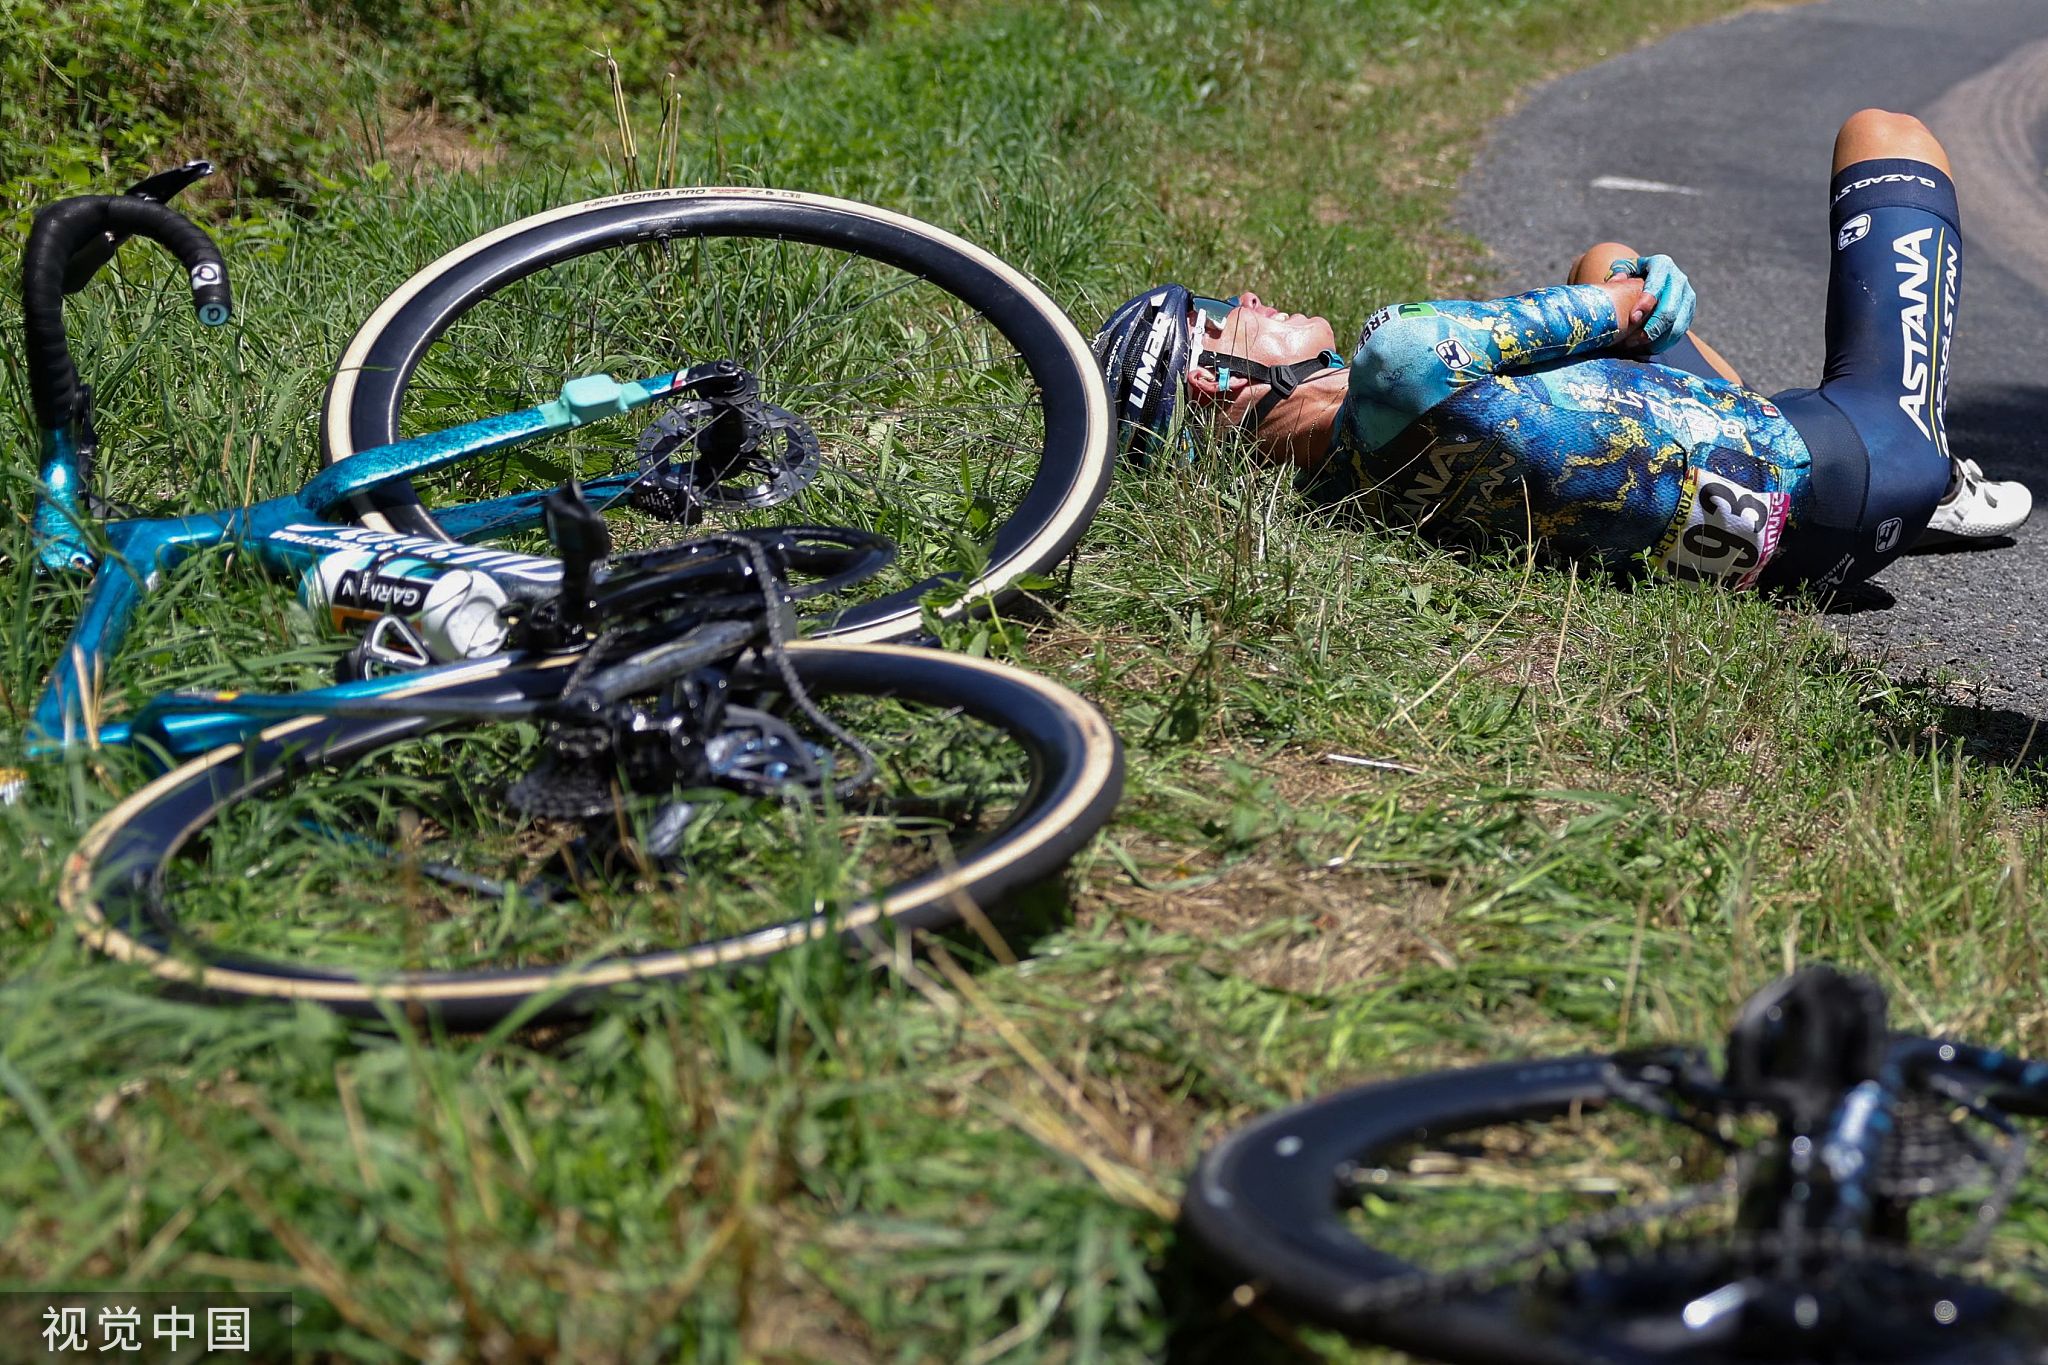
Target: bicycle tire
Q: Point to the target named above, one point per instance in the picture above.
(1267, 1204)
(113, 889)
(1070, 462)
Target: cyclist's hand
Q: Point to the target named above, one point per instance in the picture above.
(1671, 315)
(1631, 308)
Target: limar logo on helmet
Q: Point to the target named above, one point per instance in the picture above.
(1142, 350)
(1155, 348)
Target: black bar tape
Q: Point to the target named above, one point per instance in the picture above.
(87, 260)
(57, 233)
(161, 188)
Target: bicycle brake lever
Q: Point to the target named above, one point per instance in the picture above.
(159, 188)
(165, 185)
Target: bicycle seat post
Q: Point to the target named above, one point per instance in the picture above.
(581, 539)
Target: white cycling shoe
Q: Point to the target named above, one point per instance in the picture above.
(1977, 508)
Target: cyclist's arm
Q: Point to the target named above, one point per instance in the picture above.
(1413, 357)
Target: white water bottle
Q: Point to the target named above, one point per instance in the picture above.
(458, 613)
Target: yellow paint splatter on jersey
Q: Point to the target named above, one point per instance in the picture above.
(1526, 418)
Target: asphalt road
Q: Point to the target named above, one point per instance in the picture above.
(1735, 121)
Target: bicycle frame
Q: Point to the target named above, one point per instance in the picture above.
(288, 534)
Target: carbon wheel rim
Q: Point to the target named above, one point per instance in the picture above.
(1335, 1209)
(959, 410)
(121, 883)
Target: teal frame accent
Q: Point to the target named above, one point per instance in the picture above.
(127, 558)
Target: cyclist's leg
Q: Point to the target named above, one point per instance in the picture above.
(1877, 134)
(1692, 354)
(1875, 427)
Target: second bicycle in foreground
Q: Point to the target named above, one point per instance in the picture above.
(1833, 1193)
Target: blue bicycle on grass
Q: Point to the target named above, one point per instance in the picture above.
(615, 727)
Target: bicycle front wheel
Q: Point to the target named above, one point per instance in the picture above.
(366, 863)
(940, 397)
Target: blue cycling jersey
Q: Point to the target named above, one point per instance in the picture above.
(1530, 423)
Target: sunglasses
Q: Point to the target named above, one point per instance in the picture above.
(1214, 309)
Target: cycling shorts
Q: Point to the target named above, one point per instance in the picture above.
(1876, 427)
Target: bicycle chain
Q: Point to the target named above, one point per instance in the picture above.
(568, 782)
(777, 655)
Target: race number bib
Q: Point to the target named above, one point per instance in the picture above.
(1723, 532)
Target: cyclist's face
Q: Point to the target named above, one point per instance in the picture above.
(1252, 329)
(1255, 330)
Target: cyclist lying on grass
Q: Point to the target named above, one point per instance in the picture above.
(1588, 413)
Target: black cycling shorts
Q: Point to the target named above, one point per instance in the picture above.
(1876, 427)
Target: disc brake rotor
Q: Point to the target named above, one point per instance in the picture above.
(677, 483)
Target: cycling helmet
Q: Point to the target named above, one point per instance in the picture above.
(1145, 350)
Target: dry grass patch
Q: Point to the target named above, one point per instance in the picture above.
(1346, 927)
(425, 142)
(1300, 912)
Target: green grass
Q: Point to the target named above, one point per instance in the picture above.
(289, 100)
(409, 809)
(1597, 813)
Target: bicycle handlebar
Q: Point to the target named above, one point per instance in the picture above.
(86, 261)
(59, 231)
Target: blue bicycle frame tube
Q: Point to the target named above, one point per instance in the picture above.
(60, 516)
(583, 401)
(184, 724)
(518, 511)
(288, 535)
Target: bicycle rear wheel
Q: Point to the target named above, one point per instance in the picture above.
(1523, 1214)
(955, 409)
(366, 863)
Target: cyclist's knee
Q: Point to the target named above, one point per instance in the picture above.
(1592, 265)
(1879, 134)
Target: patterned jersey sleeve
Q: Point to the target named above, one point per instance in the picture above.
(1519, 417)
(1411, 358)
